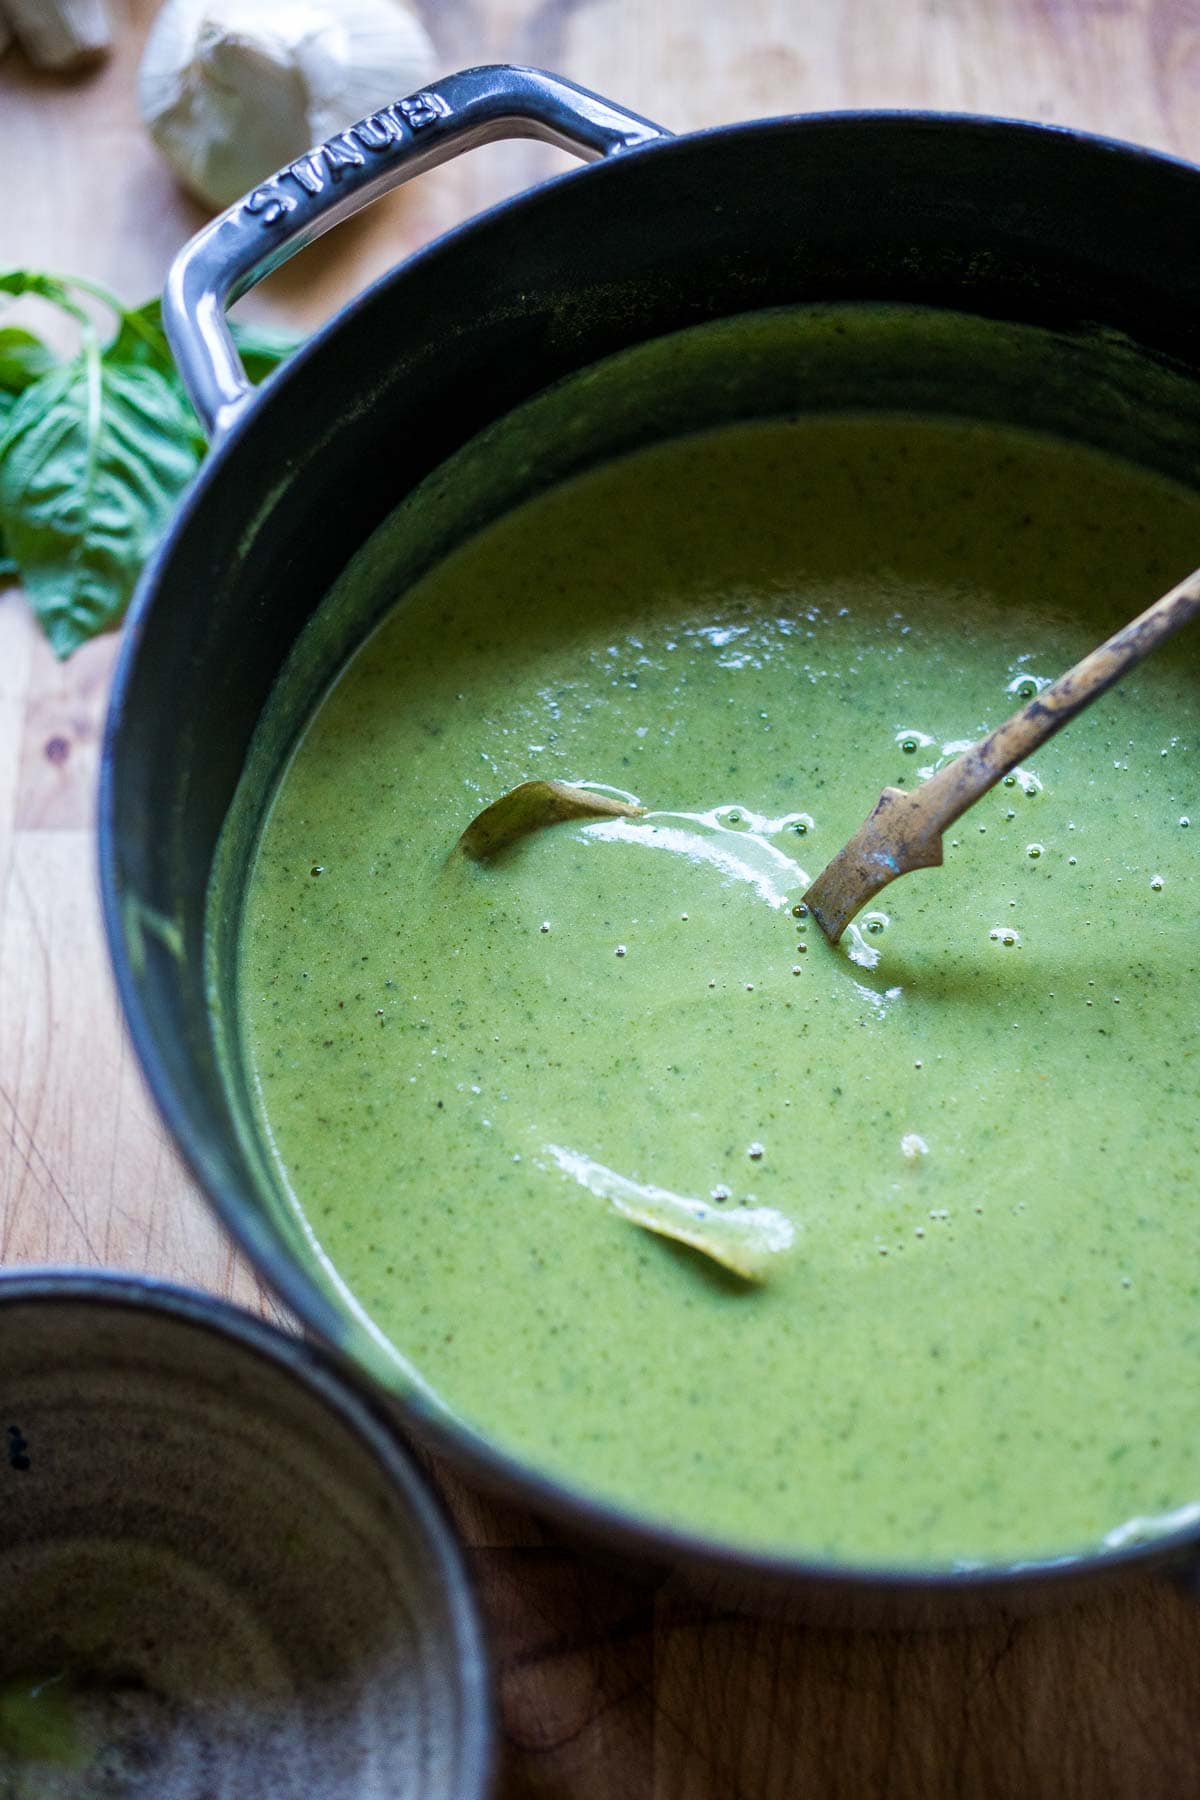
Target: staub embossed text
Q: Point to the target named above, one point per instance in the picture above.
(351, 149)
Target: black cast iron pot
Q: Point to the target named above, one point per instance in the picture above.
(1091, 243)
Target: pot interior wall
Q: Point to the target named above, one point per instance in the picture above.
(1074, 241)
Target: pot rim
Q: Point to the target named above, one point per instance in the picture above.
(480, 1460)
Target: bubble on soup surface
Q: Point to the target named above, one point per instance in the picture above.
(911, 741)
(1025, 687)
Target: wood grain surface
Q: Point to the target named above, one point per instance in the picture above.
(609, 1690)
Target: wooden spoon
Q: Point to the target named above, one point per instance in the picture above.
(904, 831)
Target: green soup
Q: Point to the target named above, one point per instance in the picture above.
(979, 1113)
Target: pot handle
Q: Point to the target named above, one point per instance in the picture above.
(335, 179)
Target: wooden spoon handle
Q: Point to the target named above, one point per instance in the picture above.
(947, 795)
(904, 831)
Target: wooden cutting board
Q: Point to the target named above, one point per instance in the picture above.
(608, 1693)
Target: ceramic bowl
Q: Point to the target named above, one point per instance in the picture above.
(221, 1576)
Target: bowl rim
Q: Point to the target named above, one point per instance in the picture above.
(481, 1460)
(310, 1367)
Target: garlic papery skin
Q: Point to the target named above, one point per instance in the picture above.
(63, 35)
(231, 90)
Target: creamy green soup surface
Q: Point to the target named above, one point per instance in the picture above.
(979, 1112)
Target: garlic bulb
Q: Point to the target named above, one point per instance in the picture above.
(230, 90)
(63, 35)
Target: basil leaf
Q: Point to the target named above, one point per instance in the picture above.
(261, 349)
(7, 402)
(142, 339)
(142, 342)
(95, 452)
(23, 360)
(95, 456)
(48, 287)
